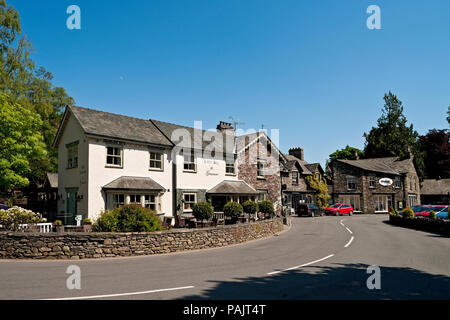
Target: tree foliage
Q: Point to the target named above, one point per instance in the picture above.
(203, 211)
(347, 153)
(21, 143)
(392, 137)
(321, 190)
(30, 87)
(436, 147)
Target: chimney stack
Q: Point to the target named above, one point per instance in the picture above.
(297, 152)
(225, 127)
(356, 155)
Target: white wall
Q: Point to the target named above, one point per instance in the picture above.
(75, 177)
(136, 159)
(209, 173)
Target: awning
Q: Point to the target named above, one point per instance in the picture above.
(134, 183)
(233, 187)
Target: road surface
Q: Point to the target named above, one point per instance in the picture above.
(318, 258)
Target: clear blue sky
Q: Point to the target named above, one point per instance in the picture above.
(309, 68)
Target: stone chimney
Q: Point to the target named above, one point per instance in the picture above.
(356, 155)
(410, 154)
(297, 152)
(225, 127)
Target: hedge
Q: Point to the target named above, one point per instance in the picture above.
(422, 223)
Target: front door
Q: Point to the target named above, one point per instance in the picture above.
(71, 209)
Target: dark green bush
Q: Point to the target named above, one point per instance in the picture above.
(250, 207)
(266, 206)
(408, 213)
(129, 218)
(203, 211)
(233, 210)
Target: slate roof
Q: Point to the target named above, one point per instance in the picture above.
(134, 183)
(110, 125)
(432, 187)
(233, 187)
(391, 165)
(216, 140)
(291, 163)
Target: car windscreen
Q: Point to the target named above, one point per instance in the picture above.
(335, 206)
(421, 208)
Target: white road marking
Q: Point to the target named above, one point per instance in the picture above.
(349, 230)
(121, 294)
(302, 265)
(348, 243)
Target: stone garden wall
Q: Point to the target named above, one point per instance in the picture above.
(71, 245)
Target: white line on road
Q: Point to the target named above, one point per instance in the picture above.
(121, 294)
(302, 265)
(349, 230)
(348, 243)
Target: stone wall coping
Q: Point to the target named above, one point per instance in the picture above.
(122, 234)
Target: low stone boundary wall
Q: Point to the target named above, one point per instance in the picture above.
(422, 223)
(16, 245)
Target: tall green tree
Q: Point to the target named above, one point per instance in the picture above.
(392, 136)
(30, 87)
(448, 116)
(20, 143)
(436, 147)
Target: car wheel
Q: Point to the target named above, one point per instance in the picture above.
(312, 214)
(337, 214)
(351, 213)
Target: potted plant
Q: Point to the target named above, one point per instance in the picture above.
(250, 208)
(202, 211)
(232, 210)
(87, 225)
(58, 226)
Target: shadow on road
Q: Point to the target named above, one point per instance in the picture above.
(336, 282)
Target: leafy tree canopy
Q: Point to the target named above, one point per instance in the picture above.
(21, 143)
(30, 87)
(392, 136)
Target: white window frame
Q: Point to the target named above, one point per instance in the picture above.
(397, 182)
(296, 179)
(229, 165)
(192, 161)
(161, 160)
(190, 202)
(120, 156)
(372, 181)
(259, 170)
(72, 156)
(116, 203)
(348, 183)
(148, 203)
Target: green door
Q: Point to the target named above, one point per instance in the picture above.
(71, 208)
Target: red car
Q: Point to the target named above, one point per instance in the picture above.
(425, 210)
(339, 209)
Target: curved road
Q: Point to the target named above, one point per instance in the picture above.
(318, 258)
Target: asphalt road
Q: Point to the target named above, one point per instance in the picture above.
(318, 258)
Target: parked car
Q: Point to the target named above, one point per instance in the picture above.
(4, 207)
(437, 209)
(443, 214)
(339, 209)
(419, 208)
(308, 209)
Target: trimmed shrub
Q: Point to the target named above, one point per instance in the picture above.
(250, 207)
(107, 222)
(233, 210)
(408, 213)
(202, 211)
(128, 218)
(432, 215)
(394, 212)
(135, 218)
(87, 221)
(57, 223)
(266, 206)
